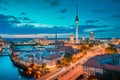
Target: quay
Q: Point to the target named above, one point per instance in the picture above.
(26, 69)
(4, 55)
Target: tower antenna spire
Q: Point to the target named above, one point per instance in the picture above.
(77, 13)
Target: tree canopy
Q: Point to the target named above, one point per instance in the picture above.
(110, 50)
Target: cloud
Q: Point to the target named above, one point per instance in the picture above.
(4, 18)
(63, 10)
(112, 17)
(11, 17)
(13, 26)
(9, 20)
(28, 19)
(91, 21)
(25, 20)
(36, 25)
(30, 29)
(97, 29)
(16, 27)
(53, 2)
(101, 28)
(15, 21)
(98, 11)
(115, 16)
(23, 13)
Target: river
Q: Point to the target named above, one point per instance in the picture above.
(8, 71)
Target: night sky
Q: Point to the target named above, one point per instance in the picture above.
(38, 18)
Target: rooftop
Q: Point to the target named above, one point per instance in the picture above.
(66, 49)
(92, 63)
(111, 67)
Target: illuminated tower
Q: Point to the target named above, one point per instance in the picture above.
(71, 39)
(91, 35)
(77, 20)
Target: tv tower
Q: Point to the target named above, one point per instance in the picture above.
(76, 21)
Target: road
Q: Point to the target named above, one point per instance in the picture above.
(48, 75)
(75, 69)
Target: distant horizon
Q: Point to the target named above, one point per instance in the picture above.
(51, 36)
(58, 38)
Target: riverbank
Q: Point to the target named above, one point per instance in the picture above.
(8, 71)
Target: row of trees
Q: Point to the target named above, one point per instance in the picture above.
(68, 58)
(111, 50)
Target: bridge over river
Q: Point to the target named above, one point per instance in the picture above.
(5, 51)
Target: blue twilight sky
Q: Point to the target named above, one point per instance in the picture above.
(38, 18)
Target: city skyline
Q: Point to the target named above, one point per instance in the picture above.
(38, 18)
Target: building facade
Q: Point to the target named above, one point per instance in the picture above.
(71, 39)
(92, 36)
(101, 63)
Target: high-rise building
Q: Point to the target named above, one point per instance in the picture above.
(92, 36)
(55, 41)
(83, 38)
(77, 20)
(71, 39)
(37, 40)
(113, 40)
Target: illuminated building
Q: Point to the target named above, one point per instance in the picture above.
(101, 63)
(71, 39)
(1, 45)
(37, 40)
(113, 40)
(84, 40)
(91, 35)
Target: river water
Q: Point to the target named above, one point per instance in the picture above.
(8, 71)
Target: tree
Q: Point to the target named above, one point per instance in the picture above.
(83, 52)
(81, 77)
(92, 77)
(110, 50)
(85, 48)
(59, 63)
(44, 65)
(68, 57)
